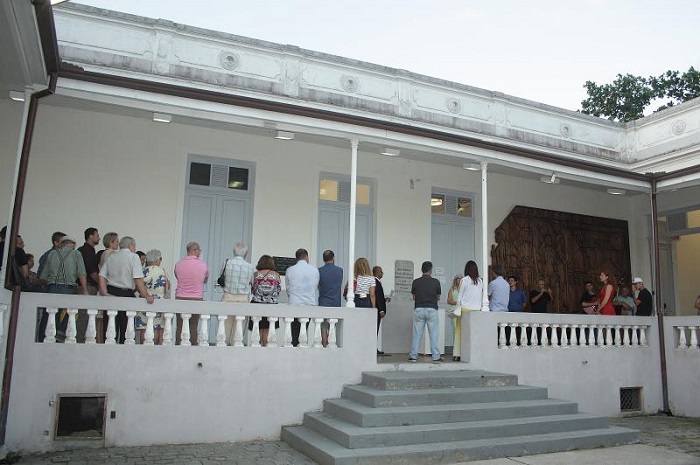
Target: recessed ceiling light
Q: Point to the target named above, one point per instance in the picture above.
(390, 152)
(162, 117)
(615, 191)
(17, 96)
(471, 166)
(284, 135)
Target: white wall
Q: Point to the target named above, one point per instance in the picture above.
(10, 124)
(687, 257)
(160, 393)
(682, 366)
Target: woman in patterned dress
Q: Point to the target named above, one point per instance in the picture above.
(156, 281)
(265, 289)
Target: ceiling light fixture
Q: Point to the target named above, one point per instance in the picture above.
(284, 135)
(390, 152)
(435, 202)
(615, 191)
(471, 166)
(17, 96)
(553, 179)
(56, 2)
(162, 117)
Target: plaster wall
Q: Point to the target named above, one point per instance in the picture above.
(180, 394)
(10, 124)
(687, 256)
(682, 367)
(592, 376)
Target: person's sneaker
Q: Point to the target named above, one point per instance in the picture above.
(412, 360)
(438, 360)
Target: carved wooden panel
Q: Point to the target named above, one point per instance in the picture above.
(564, 249)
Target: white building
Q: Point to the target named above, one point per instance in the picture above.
(170, 133)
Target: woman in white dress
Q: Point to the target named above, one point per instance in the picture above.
(470, 294)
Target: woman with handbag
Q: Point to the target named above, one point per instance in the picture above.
(471, 288)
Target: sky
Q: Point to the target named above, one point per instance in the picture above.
(541, 50)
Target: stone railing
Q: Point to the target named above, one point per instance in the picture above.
(686, 336)
(519, 335)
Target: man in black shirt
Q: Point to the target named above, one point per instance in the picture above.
(540, 297)
(426, 293)
(644, 301)
(87, 250)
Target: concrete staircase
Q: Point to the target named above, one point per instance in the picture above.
(419, 417)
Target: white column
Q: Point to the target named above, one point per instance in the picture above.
(15, 178)
(353, 209)
(484, 236)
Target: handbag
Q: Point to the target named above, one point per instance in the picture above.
(222, 277)
(455, 312)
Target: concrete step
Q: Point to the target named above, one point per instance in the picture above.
(327, 452)
(357, 437)
(374, 397)
(396, 380)
(369, 417)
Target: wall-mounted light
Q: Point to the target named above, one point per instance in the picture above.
(162, 117)
(390, 152)
(471, 166)
(17, 96)
(284, 135)
(615, 191)
(553, 179)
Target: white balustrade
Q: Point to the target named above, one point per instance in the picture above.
(185, 332)
(272, 333)
(545, 338)
(627, 341)
(168, 329)
(50, 333)
(564, 336)
(221, 330)
(238, 323)
(255, 336)
(91, 331)
(111, 336)
(502, 335)
(303, 333)
(523, 335)
(287, 332)
(332, 342)
(203, 335)
(575, 335)
(130, 334)
(555, 336)
(693, 337)
(317, 332)
(149, 333)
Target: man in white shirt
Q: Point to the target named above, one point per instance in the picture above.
(121, 276)
(499, 291)
(302, 287)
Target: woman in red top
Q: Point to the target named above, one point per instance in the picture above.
(605, 305)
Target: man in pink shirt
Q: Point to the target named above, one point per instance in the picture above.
(191, 274)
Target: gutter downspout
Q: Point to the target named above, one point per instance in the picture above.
(20, 183)
(657, 297)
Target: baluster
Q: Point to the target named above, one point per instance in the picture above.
(50, 333)
(608, 336)
(130, 331)
(203, 336)
(332, 342)
(617, 335)
(149, 333)
(255, 336)
(635, 338)
(523, 334)
(272, 334)
(185, 332)
(544, 341)
(534, 340)
(239, 320)
(626, 340)
(643, 335)
(502, 336)
(564, 336)
(111, 336)
(317, 332)
(555, 336)
(693, 337)
(682, 344)
(303, 333)
(221, 331)
(287, 332)
(575, 335)
(91, 330)
(168, 329)
(71, 330)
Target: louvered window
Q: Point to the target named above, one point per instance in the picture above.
(219, 176)
(450, 205)
(334, 190)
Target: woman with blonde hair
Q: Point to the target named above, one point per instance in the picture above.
(470, 292)
(364, 284)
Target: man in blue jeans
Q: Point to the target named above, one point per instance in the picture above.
(426, 293)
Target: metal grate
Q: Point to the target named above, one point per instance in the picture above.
(631, 399)
(80, 417)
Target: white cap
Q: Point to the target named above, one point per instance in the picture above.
(637, 281)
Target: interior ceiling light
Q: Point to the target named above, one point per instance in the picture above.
(435, 202)
(615, 191)
(390, 152)
(284, 135)
(471, 166)
(162, 117)
(553, 179)
(17, 96)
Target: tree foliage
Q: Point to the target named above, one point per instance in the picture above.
(627, 96)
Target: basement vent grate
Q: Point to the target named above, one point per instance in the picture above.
(80, 417)
(631, 399)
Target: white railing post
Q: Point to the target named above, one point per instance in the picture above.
(91, 331)
(555, 335)
(523, 334)
(693, 337)
(287, 332)
(317, 332)
(635, 338)
(272, 333)
(185, 332)
(682, 344)
(564, 337)
(255, 336)
(502, 335)
(130, 331)
(332, 343)
(626, 341)
(149, 332)
(221, 331)
(545, 339)
(304, 332)
(111, 336)
(71, 330)
(643, 335)
(239, 321)
(50, 333)
(575, 335)
(203, 336)
(168, 329)
(534, 340)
